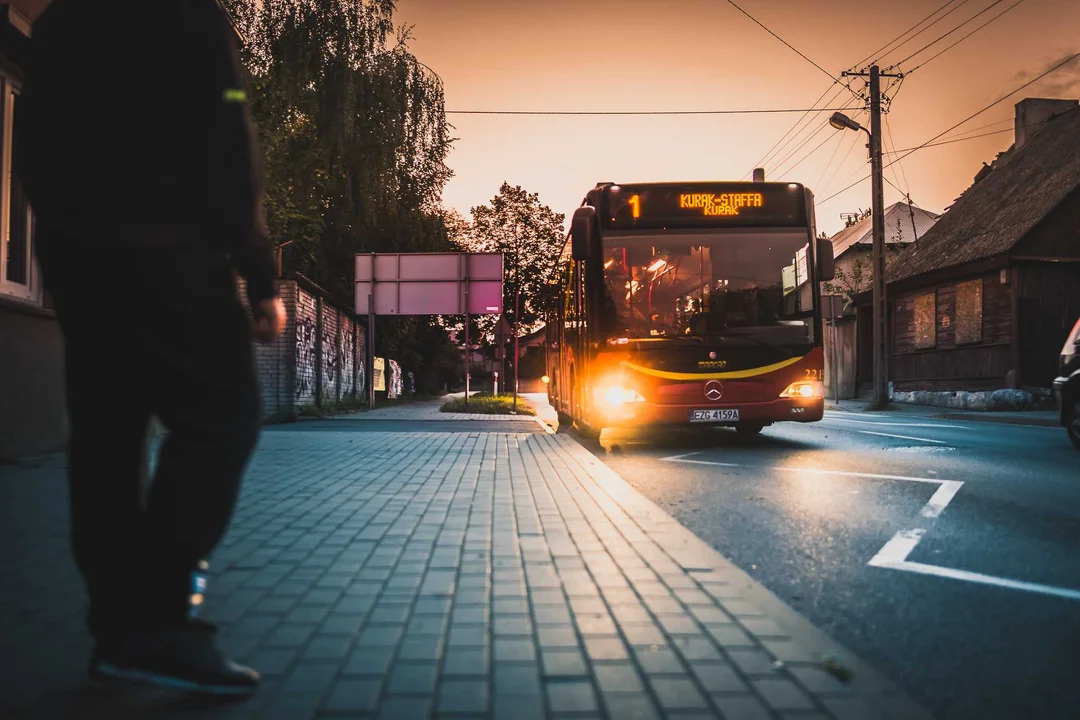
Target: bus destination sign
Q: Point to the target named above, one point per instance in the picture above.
(722, 205)
(671, 206)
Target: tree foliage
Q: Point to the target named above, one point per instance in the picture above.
(354, 135)
(530, 235)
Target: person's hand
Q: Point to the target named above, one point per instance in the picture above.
(268, 319)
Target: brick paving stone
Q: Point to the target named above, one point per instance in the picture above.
(576, 696)
(413, 678)
(621, 677)
(369, 660)
(745, 707)
(718, 677)
(562, 663)
(463, 696)
(349, 695)
(638, 706)
(517, 679)
(405, 708)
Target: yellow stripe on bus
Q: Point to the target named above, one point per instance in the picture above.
(732, 375)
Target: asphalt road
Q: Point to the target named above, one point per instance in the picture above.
(976, 609)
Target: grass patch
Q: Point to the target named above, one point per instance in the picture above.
(349, 405)
(488, 404)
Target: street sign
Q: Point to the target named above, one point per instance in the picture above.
(429, 283)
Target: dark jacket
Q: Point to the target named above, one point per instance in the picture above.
(134, 124)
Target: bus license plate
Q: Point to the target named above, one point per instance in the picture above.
(714, 415)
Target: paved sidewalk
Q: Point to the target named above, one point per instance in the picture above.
(430, 410)
(1044, 418)
(467, 574)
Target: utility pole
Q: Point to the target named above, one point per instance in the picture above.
(880, 305)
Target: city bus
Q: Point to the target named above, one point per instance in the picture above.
(690, 304)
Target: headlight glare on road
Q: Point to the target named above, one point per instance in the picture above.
(804, 389)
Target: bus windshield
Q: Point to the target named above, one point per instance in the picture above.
(731, 283)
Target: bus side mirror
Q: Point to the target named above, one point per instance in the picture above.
(826, 262)
(582, 232)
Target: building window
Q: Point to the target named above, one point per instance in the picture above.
(925, 321)
(969, 312)
(18, 270)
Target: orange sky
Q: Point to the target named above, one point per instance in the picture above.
(705, 55)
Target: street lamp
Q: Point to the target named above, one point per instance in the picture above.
(840, 121)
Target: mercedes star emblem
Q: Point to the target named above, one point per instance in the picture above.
(714, 390)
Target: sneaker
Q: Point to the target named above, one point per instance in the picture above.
(183, 659)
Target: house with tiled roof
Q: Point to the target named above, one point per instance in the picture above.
(986, 297)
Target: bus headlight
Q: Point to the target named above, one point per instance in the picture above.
(613, 397)
(804, 389)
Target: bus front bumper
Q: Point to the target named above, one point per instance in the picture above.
(642, 414)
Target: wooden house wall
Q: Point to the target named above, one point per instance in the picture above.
(950, 365)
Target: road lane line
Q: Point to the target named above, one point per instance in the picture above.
(817, 471)
(902, 424)
(902, 437)
(972, 577)
(898, 548)
(941, 498)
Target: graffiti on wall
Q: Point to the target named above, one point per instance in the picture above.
(347, 359)
(395, 388)
(305, 355)
(329, 358)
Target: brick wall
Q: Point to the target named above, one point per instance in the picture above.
(318, 360)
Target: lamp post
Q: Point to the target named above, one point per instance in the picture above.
(840, 121)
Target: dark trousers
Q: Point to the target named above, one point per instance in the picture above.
(153, 330)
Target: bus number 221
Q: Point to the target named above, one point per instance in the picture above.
(814, 374)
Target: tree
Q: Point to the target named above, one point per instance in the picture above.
(530, 235)
(354, 135)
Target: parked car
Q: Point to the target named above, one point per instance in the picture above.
(1067, 385)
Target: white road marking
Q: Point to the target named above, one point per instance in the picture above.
(876, 476)
(898, 548)
(903, 424)
(893, 556)
(972, 577)
(940, 498)
(902, 437)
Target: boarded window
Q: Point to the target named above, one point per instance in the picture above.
(925, 325)
(969, 312)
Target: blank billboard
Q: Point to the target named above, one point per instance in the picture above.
(429, 283)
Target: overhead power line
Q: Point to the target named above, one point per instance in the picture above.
(735, 5)
(888, 47)
(954, 44)
(974, 115)
(801, 144)
(942, 37)
(769, 155)
(950, 141)
(754, 111)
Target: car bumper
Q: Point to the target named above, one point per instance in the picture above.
(780, 410)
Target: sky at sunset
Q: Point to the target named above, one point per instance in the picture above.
(638, 55)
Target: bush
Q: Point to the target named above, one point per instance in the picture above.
(488, 404)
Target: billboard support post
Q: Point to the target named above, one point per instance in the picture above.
(468, 350)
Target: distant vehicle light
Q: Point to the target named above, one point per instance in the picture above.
(545, 379)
